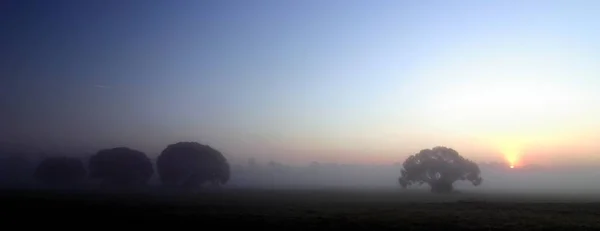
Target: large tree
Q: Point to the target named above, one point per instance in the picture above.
(439, 167)
(60, 171)
(191, 164)
(121, 167)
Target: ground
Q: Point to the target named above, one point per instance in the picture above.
(304, 209)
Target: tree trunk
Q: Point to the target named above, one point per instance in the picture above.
(441, 187)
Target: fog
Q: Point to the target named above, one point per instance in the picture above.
(563, 181)
(497, 179)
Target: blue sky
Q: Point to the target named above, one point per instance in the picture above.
(356, 81)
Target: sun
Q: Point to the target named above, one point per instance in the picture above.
(512, 160)
(512, 157)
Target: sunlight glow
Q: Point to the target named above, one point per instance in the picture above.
(512, 158)
(514, 90)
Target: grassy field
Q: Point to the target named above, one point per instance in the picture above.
(310, 209)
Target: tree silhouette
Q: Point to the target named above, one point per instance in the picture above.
(60, 171)
(121, 167)
(439, 167)
(191, 164)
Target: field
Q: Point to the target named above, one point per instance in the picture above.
(307, 210)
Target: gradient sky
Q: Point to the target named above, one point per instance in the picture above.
(296, 81)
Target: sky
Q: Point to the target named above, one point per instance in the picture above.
(344, 81)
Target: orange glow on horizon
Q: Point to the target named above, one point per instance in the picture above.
(512, 157)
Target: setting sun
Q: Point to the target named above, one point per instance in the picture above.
(512, 157)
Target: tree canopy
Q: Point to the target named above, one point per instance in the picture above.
(121, 167)
(439, 167)
(191, 164)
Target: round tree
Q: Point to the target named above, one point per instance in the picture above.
(439, 167)
(60, 171)
(190, 164)
(121, 167)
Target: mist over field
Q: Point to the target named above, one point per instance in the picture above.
(543, 180)
(275, 195)
(498, 178)
(301, 115)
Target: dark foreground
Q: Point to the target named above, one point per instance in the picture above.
(294, 210)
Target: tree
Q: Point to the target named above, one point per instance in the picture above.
(191, 164)
(60, 171)
(439, 167)
(121, 167)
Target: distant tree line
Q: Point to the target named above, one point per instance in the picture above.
(190, 165)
